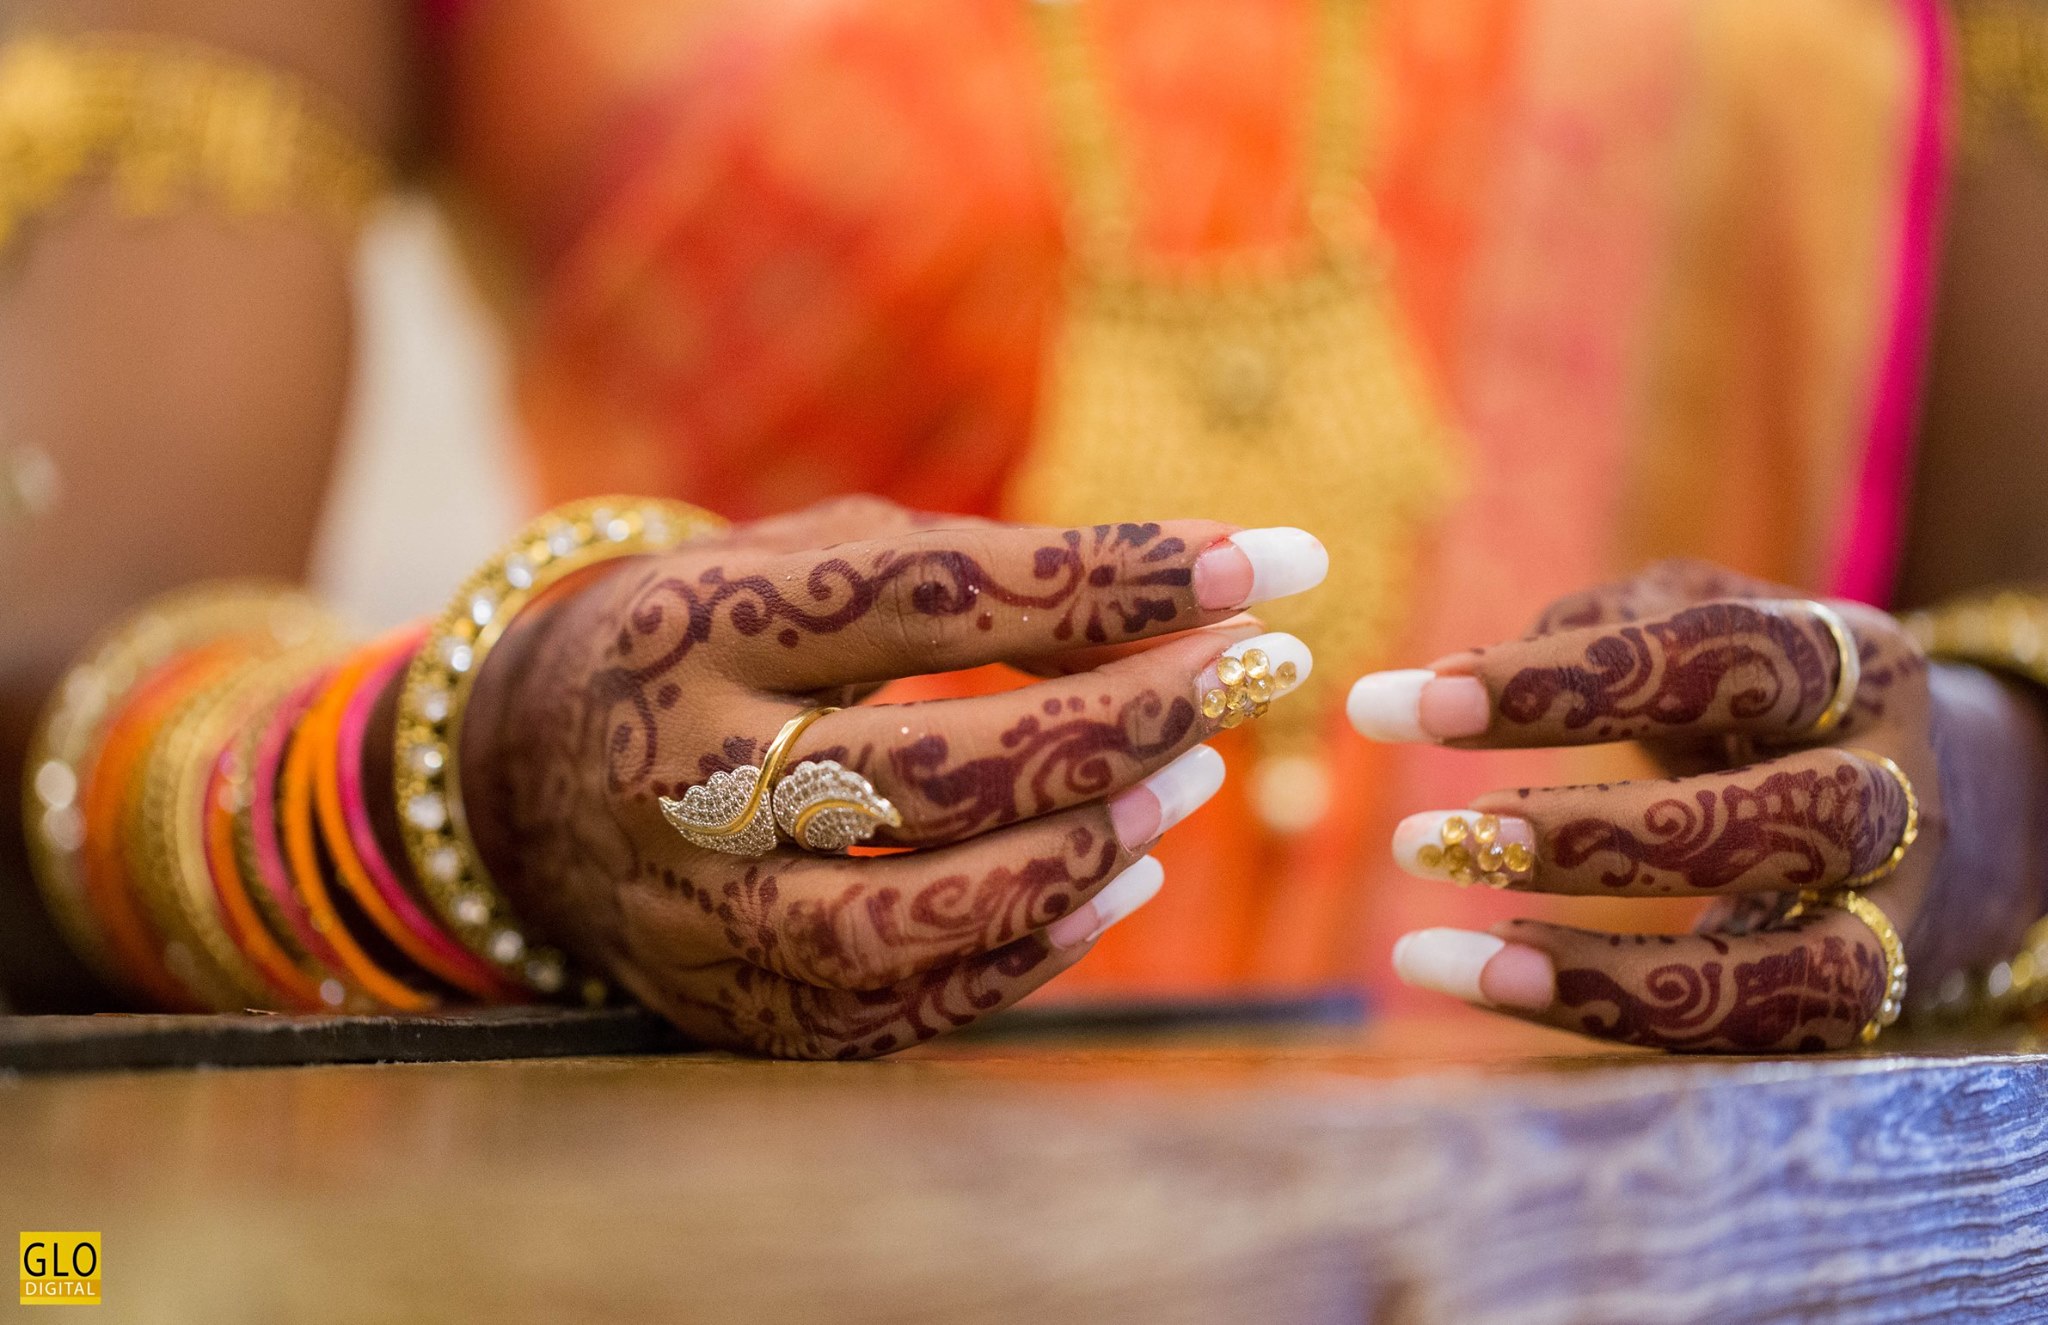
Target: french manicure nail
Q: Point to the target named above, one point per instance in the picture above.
(1144, 812)
(1257, 565)
(1477, 968)
(1415, 704)
(1137, 885)
(1496, 850)
(1249, 675)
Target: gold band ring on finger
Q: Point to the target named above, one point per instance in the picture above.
(819, 804)
(1908, 835)
(1848, 671)
(1888, 940)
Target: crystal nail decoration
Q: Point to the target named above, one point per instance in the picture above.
(1246, 687)
(1470, 851)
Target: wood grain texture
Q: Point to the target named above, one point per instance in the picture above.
(1449, 1172)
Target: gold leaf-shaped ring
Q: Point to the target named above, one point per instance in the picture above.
(819, 804)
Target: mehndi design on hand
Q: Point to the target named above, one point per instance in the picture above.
(1649, 661)
(1027, 814)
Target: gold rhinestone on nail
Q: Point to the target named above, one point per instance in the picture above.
(1471, 851)
(1249, 685)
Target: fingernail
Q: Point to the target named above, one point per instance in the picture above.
(1144, 812)
(1122, 895)
(1249, 675)
(1498, 851)
(1257, 565)
(1244, 623)
(1416, 704)
(1477, 968)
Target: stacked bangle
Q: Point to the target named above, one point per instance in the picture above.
(197, 811)
(2004, 631)
(342, 715)
(75, 725)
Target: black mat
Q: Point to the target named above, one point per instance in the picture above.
(114, 1042)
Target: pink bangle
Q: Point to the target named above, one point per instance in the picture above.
(301, 990)
(272, 873)
(482, 980)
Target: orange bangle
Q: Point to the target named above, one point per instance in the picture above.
(298, 989)
(321, 730)
(295, 815)
(106, 799)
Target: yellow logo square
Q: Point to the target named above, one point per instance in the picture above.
(60, 1269)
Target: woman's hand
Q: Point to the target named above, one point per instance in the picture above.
(1027, 813)
(1709, 670)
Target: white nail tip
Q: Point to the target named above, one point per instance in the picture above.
(1387, 706)
(1445, 960)
(1279, 647)
(1186, 784)
(1284, 561)
(1127, 892)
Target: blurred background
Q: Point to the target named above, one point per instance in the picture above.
(1499, 298)
(430, 478)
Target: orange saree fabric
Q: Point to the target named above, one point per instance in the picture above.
(1651, 252)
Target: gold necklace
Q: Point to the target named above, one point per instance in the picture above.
(1267, 389)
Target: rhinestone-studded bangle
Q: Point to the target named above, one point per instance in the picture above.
(436, 691)
(2006, 631)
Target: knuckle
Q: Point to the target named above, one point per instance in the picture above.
(845, 968)
(859, 505)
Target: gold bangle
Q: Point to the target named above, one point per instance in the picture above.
(164, 119)
(67, 736)
(435, 692)
(167, 852)
(1888, 940)
(180, 892)
(2006, 631)
(1848, 671)
(1908, 835)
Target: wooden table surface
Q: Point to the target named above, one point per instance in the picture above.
(1443, 1171)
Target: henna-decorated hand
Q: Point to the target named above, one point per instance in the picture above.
(1708, 669)
(1028, 813)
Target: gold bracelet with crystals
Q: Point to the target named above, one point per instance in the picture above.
(436, 690)
(164, 120)
(2006, 631)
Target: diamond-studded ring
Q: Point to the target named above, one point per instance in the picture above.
(819, 804)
